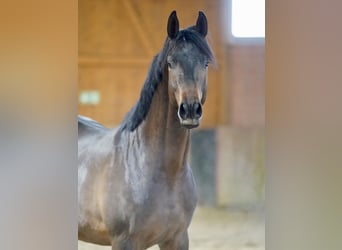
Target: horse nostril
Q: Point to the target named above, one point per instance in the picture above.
(197, 110)
(183, 110)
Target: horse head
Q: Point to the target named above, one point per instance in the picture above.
(187, 65)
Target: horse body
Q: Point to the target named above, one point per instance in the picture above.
(135, 185)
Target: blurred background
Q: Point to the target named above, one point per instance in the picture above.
(117, 41)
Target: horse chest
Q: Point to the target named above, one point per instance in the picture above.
(147, 207)
(162, 219)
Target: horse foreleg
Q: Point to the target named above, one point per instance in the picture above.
(125, 245)
(181, 243)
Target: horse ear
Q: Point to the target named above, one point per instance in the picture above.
(172, 25)
(202, 24)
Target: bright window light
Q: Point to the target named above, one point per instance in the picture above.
(248, 18)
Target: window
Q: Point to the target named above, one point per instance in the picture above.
(247, 21)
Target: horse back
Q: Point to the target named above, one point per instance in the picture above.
(88, 126)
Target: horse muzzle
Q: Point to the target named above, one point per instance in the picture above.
(190, 114)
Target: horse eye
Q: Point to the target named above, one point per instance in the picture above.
(169, 65)
(206, 64)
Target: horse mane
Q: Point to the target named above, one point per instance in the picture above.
(156, 73)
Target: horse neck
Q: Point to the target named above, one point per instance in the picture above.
(166, 139)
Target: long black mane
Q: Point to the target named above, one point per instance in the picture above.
(155, 75)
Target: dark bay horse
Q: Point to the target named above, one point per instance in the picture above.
(135, 185)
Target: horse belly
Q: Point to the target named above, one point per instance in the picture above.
(92, 229)
(95, 236)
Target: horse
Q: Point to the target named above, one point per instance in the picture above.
(135, 185)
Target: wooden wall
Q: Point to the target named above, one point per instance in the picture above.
(117, 40)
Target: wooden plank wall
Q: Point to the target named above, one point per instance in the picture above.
(117, 40)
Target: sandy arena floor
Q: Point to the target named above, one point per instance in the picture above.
(218, 229)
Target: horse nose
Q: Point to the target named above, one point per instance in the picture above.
(184, 111)
(190, 111)
(197, 110)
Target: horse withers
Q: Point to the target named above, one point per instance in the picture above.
(135, 185)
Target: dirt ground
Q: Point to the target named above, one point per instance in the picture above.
(218, 229)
